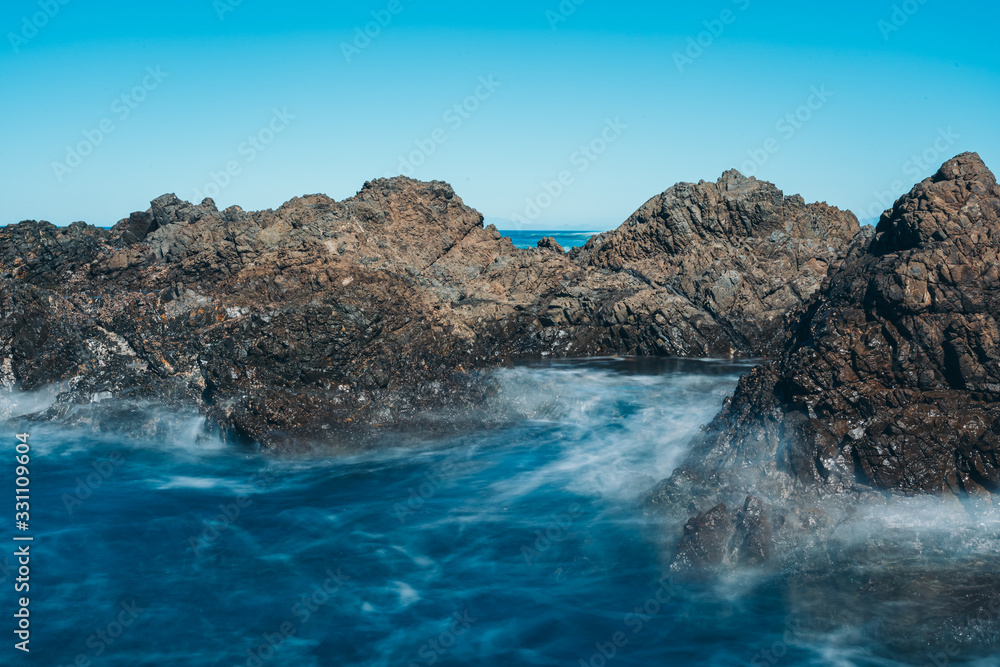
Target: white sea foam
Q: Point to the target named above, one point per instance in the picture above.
(15, 403)
(618, 433)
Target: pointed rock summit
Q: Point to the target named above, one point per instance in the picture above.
(959, 199)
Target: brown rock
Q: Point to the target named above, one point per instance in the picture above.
(738, 249)
(892, 378)
(286, 325)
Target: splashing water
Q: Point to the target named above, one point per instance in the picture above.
(510, 545)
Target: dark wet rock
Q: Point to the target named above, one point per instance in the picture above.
(722, 536)
(706, 539)
(43, 254)
(751, 543)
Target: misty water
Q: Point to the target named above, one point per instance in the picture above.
(515, 543)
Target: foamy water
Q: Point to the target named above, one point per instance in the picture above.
(517, 544)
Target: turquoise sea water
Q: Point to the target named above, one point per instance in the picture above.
(530, 238)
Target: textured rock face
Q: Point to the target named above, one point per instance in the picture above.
(277, 324)
(289, 324)
(737, 249)
(891, 381)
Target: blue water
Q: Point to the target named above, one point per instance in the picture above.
(529, 238)
(518, 544)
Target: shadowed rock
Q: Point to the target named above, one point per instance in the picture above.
(720, 536)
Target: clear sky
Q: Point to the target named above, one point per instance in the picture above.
(109, 104)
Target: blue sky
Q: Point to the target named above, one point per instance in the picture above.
(569, 115)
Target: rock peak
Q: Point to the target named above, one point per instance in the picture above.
(961, 197)
(732, 176)
(966, 166)
(405, 182)
(890, 380)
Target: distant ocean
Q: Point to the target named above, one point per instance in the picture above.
(528, 238)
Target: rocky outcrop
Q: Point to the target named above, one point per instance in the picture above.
(278, 324)
(293, 324)
(738, 250)
(891, 379)
(551, 244)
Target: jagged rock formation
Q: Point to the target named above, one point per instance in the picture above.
(282, 325)
(738, 249)
(891, 379)
(278, 324)
(289, 325)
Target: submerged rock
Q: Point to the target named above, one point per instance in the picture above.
(723, 537)
(705, 539)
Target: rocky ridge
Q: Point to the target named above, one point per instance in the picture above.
(312, 321)
(297, 323)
